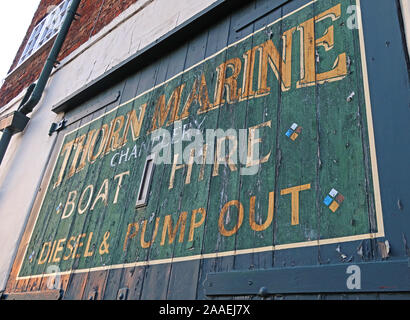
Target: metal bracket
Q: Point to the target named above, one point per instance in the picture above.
(122, 294)
(15, 121)
(55, 127)
(378, 276)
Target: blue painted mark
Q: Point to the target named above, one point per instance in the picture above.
(328, 200)
(289, 132)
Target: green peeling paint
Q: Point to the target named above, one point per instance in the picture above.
(328, 149)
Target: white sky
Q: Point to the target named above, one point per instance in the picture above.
(15, 18)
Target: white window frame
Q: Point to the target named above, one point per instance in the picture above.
(145, 184)
(45, 30)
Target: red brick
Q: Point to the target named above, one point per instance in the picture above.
(95, 15)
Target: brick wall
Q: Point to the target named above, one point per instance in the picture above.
(95, 14)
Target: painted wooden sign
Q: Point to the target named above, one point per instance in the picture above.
(286, 157)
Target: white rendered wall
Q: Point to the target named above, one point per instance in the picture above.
(28, 152)
(405, 9)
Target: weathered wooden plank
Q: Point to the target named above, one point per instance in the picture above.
(112, 285)
(81, 228)
(118, 278)
(224, 183)
(226, 187)
(217, 40)
(114, 276)
(164, 201)
(342, 141)
(95, 285)
(35, 295)
(188, 186)
(76, 286)
(131, 250)
(257, 191)
(390, 95)
(133, 279)
(296, 162)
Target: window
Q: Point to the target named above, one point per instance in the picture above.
(145, 182)
(45, 30)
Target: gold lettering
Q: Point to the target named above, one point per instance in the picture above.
(193, 96)
(173, 231)
(70, 202)
(87, 252)
(42, 260)
(229, 83)
(249, 67)
(52, 251)
(219, 149)
(119, 177)
(190, 164)
(307, 54)
(294, 191)
(66, 150)
(281, 67)
(102, 196)
(308, 76)
(77, 245)
(78, 145)
(113, 140)
(69, 247)
(58, 249)
(260, 227)
(135, 123)
(250, 161)
(221, 224)
(204, 97)
(161, 112)
(80, 201)
(104, 130)
(130, 235)
(175, 167)
(196, 224)
(339, 70)
(145, 244)
(83, 160)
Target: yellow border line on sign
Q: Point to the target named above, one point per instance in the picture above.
(376, 186)
(373, 158)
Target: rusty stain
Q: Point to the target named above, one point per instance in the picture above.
(384, 249)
